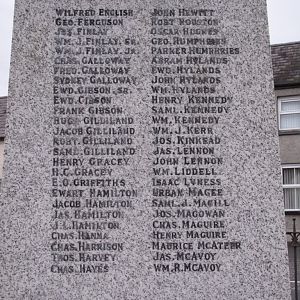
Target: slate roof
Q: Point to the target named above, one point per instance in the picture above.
(3, 104)
(286, 64)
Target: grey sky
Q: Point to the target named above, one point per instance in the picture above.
(284, 25)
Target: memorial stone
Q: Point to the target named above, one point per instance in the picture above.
(142, 153)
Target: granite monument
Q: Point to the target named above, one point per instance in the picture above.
(142, 154)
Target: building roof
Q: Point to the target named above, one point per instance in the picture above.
(3, 104)
(286, 64)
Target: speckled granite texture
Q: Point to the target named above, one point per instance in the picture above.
(142, 153)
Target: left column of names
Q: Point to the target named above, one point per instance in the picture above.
(93, 139)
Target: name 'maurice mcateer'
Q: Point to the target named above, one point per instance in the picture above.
(189, 104)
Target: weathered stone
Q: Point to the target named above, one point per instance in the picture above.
(142, 153)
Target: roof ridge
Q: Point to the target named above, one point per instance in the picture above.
(285, 44)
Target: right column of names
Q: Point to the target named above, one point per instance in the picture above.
(188, 103)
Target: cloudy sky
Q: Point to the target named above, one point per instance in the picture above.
(284, 23)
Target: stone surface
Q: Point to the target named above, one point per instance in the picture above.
(142, 153)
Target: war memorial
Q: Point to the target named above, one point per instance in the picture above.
(142, 157)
